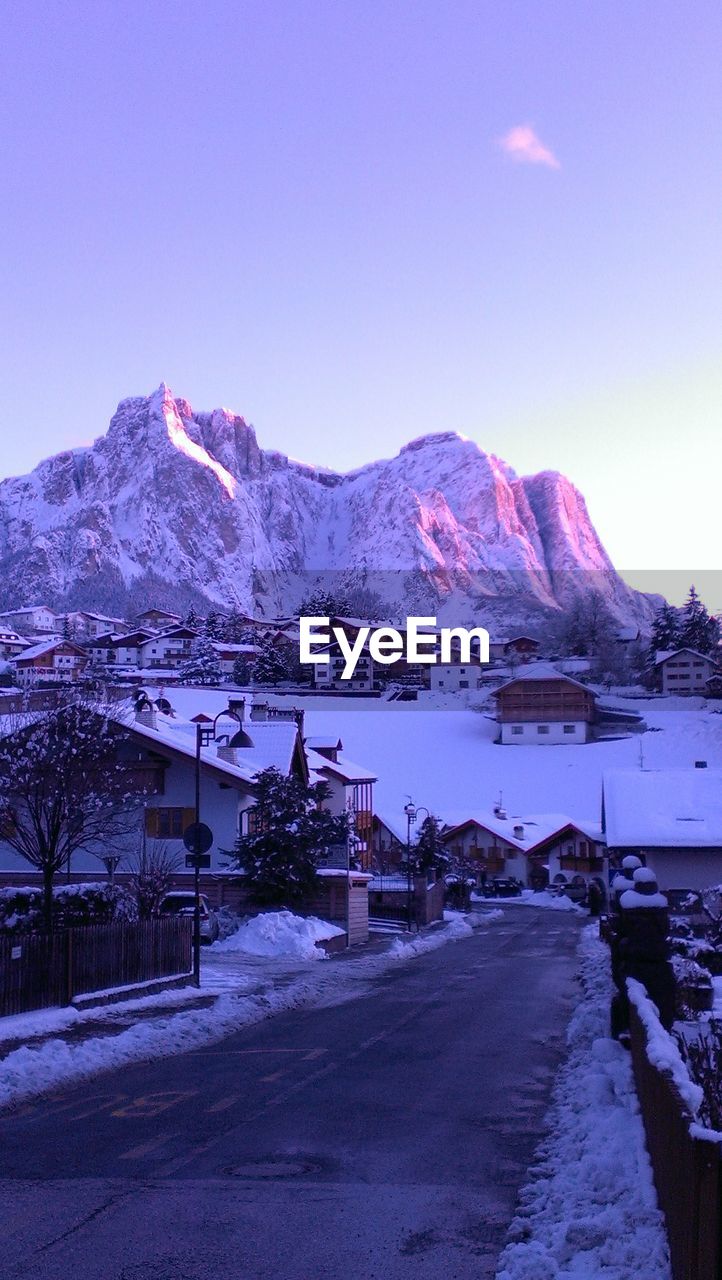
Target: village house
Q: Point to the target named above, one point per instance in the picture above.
(89, 626)
(351, 791)
(540, 706)
(157, 619)
(50, 660)
(11, 644)
(168, 649)
(388, 843)
(684, 671)
(670, 818)
(34, 620)
(539, 849)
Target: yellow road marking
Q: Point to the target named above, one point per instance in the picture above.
(147, 1148)
(151, 1104)
(223, 1103)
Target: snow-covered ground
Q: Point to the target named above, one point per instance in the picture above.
(62, 1046)
(448, 761)
(590, 1207)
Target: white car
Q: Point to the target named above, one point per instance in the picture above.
(182, 903)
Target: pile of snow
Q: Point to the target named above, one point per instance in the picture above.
(281, 934)
(536, 898)
(590, 1208)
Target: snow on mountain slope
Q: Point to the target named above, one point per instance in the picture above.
(189, 502)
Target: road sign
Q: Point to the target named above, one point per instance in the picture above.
(198, 838)
(201, 861)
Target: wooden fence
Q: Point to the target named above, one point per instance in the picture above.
(686, 1168)
(40, 970)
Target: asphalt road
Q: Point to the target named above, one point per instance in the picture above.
(381, 1139)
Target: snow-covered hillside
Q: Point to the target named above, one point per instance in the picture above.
(448, 761)
(189, 503)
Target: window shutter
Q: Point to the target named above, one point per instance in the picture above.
(189, 816)
(151, 823)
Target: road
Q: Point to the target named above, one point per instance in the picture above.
(379, 1139)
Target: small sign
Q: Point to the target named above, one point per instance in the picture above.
(200, 860)
(16, 953)
(197, 838)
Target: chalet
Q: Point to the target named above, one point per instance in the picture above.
(519, 648)
(229, 653)
(672, 820)
(536, 849)
(684, 671)
(36, 619)
(157, 619)
(329, 675)
(126, 649)
(92, 625)
(11, 644)
(351, 790)
(541, 706)
(168, 649)
(49, 660)
(388, 842)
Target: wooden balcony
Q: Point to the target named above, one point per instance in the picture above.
(588, 866)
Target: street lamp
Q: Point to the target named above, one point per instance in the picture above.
(412, 814)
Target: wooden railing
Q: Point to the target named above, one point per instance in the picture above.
(686, 1167)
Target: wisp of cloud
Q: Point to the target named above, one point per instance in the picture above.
(523, 145)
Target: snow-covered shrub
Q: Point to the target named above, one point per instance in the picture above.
(74, 905)
(703, 1057)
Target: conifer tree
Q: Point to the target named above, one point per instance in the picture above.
(290, 832)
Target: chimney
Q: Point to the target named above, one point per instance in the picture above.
(237, 705)
(226, 753)
(146, 716)
(259, 711)
(519, 832)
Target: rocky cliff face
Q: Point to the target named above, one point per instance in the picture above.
(188, 505)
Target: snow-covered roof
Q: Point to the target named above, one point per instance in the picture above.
(663, 808)
(540, 671)
(341, 768)
(393, 824)
(663, 654)
(273, 741)
(536, 829)
(325, 742)
(45, 646)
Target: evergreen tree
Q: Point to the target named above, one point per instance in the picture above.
(214, 625)
(324, 604)
(272, 664)
(193, 619)
(429, 852)
(236, 629)
(203, 667)
(666, 630)
(698, 630)
(290, 832)
(243, 668)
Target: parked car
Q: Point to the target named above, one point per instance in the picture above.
(182, 903)
(503, 887)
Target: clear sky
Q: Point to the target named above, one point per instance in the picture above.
(357, 221)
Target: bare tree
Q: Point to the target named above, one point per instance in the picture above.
(65, 787)
(152, 871)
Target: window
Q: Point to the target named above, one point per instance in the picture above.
(167, 824)
(542, 728)
(463, 684)
(517, 728)
(569, 728)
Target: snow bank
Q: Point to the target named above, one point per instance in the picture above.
(590, 1209)
(282, 934)
(456, 925)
